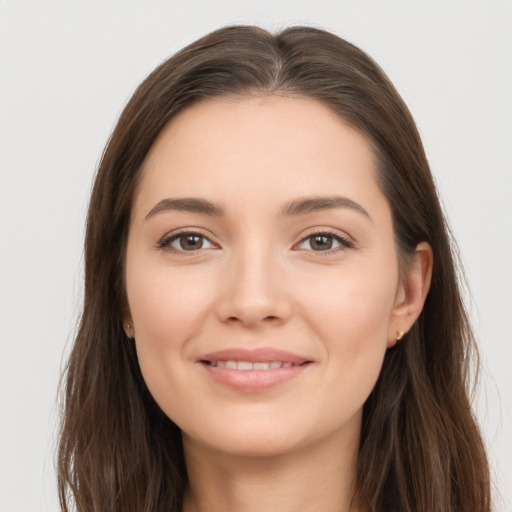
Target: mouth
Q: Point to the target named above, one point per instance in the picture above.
(253, 365)
(253, 370)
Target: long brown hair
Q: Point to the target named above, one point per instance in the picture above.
(420, 448)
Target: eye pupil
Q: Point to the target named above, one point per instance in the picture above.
(321, 242)
(191, 242)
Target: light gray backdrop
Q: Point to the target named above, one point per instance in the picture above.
(67, 69)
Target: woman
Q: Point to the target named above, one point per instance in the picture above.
(272, 319)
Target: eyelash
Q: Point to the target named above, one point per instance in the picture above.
(345, 243)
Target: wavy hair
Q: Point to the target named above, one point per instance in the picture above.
(420, 449)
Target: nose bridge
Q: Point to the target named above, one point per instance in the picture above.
(254, 291)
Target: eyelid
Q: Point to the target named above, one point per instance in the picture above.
(170, 237)
(345, 241)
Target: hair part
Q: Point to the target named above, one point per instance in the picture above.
(420, 445)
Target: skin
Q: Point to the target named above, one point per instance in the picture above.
(259, 280)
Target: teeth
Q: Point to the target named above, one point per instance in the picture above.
(248, 365)
(261, 366)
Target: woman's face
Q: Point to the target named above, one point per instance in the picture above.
(261, 274)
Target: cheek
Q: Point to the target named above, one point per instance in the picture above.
(351, 318)
(165, 303)
(167, 308)
(352, 307)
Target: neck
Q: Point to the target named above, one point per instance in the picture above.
(319, 477)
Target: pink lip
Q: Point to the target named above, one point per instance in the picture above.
(253, 380)
(258, 355)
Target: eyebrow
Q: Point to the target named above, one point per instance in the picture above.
(318, 203)
(187, 204)
(295, 207)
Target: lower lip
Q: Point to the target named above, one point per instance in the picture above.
(253, 380)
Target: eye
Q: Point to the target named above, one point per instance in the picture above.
(185, 241)
(325, 242)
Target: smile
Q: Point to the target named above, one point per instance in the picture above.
(248, 365)
(253, 370)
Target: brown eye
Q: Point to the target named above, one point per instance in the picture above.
(321, 242)
(190, 242)
(185, 242)
(325, 242)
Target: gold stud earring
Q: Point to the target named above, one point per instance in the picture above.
(400, 335)
(128, 328)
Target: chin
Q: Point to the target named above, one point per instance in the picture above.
(251, 443)
(247, 435)
(261, 436)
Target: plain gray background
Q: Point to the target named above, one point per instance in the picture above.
(67, 69)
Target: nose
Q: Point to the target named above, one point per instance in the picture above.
(254, 291)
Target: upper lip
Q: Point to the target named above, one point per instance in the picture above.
(257, 355)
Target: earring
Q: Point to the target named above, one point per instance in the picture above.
(399, 335)
(128, 328)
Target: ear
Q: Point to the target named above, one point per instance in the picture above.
(128, 324)
(411, 293)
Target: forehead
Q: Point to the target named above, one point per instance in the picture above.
(255, 149)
